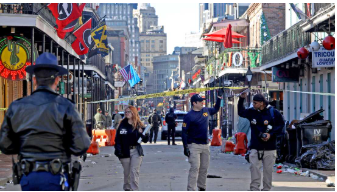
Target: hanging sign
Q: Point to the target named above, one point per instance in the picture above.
(323, 58)
(285, 75)
(15, 56)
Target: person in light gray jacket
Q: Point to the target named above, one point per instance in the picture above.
(117, 119)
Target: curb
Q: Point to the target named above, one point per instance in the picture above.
(4, 181)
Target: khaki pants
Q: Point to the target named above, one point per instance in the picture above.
(268, 162)
(131, 168)
(199, 160)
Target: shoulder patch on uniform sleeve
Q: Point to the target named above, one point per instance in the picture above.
(184, 124)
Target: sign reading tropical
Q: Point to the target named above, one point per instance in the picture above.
(15, 56)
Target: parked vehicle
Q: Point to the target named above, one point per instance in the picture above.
(179, 120)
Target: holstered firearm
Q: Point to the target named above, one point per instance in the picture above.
(75, 175)
(17, 174)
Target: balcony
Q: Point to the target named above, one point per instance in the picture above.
(284, 44)
(33, 9)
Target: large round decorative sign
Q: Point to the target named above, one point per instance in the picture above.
(237, 59)
(15, 55)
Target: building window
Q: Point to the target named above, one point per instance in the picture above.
(313, 107)
(147, 41)
(329, 97)
(152, 46)
(153, 41)
(321, 83)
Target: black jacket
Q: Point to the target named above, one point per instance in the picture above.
(43, 126)
(259, 120)
(170, 118)
(126, 137)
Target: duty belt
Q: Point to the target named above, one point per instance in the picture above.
(55, 166)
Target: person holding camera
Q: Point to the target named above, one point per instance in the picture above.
(266, 123)
(195, 140)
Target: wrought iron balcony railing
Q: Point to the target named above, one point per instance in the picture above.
(33, 9)
(284, 44)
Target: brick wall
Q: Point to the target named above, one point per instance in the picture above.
(275, 17)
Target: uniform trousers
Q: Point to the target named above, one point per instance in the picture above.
(131, 168)
(268, 162)
(41, 181)
(199, 159)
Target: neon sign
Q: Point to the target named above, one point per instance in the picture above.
(15, 56)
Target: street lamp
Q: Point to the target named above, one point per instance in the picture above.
(249, 76)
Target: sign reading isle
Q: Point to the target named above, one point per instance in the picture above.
(15, 55)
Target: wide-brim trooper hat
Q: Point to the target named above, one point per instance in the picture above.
(47, 60)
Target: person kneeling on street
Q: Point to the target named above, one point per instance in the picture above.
(266, 123)
(127, 148)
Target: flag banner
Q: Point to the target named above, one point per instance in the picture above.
(83, 38)
(298, 12)
(69, 28)
(65, 14)
(134, 77)
(125, 72)
(100, 38)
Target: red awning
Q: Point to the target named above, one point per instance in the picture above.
(220, 39)
(222, 32)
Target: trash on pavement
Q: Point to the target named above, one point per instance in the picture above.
(2, 187)
(279, 167)
(279, 171)
(213, 176)
(317, 156)
(331, 185)
(93, 162)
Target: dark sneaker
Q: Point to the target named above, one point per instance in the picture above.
(202, 189)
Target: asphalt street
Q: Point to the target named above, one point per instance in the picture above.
(165, 168)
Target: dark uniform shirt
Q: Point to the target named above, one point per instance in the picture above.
(127, 137)
(259, 120)
(195, 125)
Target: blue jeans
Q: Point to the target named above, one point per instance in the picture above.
(41, 181)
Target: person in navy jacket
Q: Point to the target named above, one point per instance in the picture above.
(266, 123)
(195, 140)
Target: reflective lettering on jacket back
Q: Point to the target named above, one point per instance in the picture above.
(123, 132)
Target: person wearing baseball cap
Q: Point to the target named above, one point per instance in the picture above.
(265, 124)
(195, 140)
(44, 129)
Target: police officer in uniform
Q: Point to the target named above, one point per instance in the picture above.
(44, 129)
(195, 141)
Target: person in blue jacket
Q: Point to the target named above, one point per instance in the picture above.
(195, 140)
(266, 123)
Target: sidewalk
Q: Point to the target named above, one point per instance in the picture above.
(5, 168)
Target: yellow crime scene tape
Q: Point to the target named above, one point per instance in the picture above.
(165, 94)
(195, 90)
